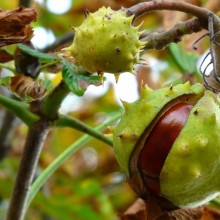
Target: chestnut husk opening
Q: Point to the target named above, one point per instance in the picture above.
(137, 179)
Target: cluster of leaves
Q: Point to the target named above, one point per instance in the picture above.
(77, 81)
(101, 206)
(31, 63)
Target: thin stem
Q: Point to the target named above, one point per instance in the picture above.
(214, 29)
(68, 121)
(26, 171)
(216, 202)
(46, 65)
(39, 182)
(19, 109)
(145, 7)
(159, 41)
(67, 38)
(5, 133)
(207, 20)
(52, 102)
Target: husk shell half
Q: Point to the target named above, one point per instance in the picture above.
(190, 175)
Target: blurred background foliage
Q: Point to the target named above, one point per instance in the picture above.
(90, 185)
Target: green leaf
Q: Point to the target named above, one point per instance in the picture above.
(185, 60)
(44, 57)
(47, 84)
(5, 81)
(76, 80)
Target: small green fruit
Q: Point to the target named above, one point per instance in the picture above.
(106, 42)
(189, 177)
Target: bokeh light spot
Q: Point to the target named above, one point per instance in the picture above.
(42, 37)
(58, 6)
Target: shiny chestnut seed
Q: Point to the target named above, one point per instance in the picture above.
(159, 142)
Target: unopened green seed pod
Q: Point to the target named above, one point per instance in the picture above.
(168, 143)
(106, 42)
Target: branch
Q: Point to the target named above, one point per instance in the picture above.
(5, 133)
(63, 157)
(206, 19)
(214, 28)
(51, 104)
(142, 8)
(159, 41)
(27, 168)
(18, 109)
(59, 42)
(67, 121)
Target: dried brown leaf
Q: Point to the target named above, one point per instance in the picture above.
(137, 211)
(149, 210)
(5, 56)
(14, 25)
(210, 214)
(182, 214)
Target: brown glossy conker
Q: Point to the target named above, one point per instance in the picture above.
(159, 143)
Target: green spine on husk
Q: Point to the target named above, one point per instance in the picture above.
(190, 175)
(139, 115)
(106, 42)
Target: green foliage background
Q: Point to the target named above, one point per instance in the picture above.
(83, 189)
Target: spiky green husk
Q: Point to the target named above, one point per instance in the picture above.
(139, 115)
(106, 42)
(190, 175)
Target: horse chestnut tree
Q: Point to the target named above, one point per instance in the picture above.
(168, 144)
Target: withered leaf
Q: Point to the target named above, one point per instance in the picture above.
(5, 56)
(14, 25)
(141, 210)
(137, 211)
